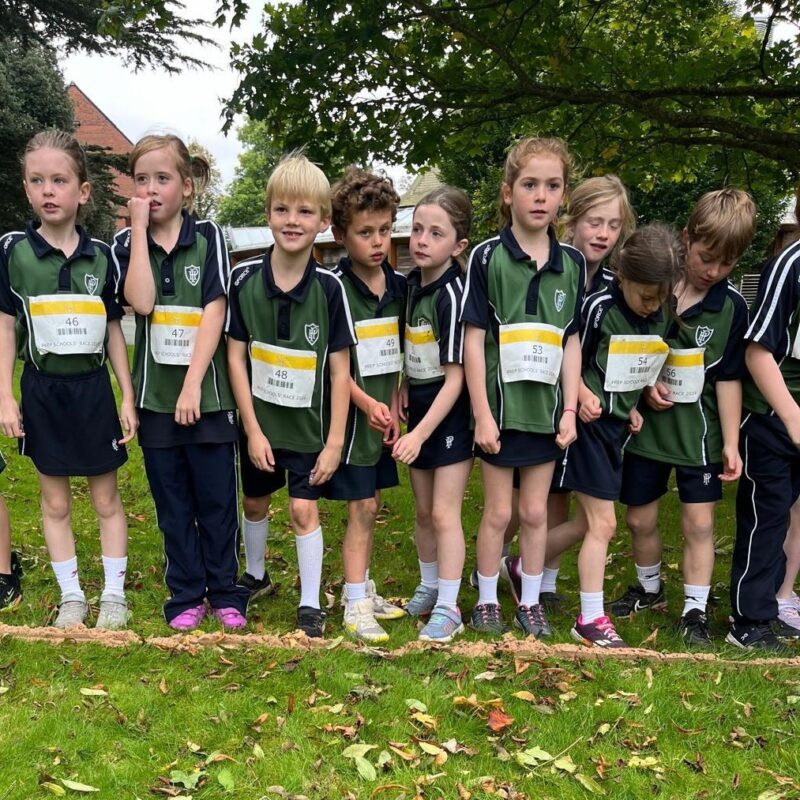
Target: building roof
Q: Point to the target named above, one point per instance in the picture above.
(424, 182)
(93, 126)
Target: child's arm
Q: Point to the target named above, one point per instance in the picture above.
(487, 434)
(393, 431)
(729, 402)
(118, 356)
(589, 406)
(187, 409)
(378, 414)
(329, 458)
(407, 447)
(570, 382)
(140, 288)
(767, 376)
(10, 419)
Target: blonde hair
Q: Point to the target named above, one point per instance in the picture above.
(196, 167)
(296, 178)
(518, 156)
(66, 143)
(594, 192)
(724, 221)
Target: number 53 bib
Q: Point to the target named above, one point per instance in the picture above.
(531, 351)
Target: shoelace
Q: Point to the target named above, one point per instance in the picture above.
(535, 614)
(608, 629)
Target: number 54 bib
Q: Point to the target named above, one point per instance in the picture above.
(283, 376)
(68, 324)
(634, 362)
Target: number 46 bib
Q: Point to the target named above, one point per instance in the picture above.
(68, 324)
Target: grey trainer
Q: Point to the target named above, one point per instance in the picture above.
(72, 612)
(114, 614)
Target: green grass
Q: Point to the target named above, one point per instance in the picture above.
(634, 728)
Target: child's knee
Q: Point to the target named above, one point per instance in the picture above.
(532, 516)
(698, 524)
(364, 511)
(639, 520)
(256, 508)
(603, 525)
(497, 517)
(107, 504)
(56, 507)
(304, 514)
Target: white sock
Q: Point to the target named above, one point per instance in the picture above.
(114, 570)
(67, 577)
(366, 575)
(255, 543)
(487, 589)
(448, 592)
(355, 591)
(429, 573)
(531, 584)
(506, 549)
(591, 606)
(309, 565)
(784, 602)
(549, 578)
(694, 597)
(650, 577)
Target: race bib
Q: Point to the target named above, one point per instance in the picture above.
(684, 375)
(283, 376)
(422, 353)
(68, 324)
(173, 332)
(378, 348)
(634, 362)
(531, 351)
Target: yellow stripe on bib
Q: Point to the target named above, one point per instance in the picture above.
(420, 337)
(522, 335)
(283, 360)
(691, 360)
(43, 308)
(184, 319)
(637, 348)
(375, 331)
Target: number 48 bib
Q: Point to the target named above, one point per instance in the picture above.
(282, 375)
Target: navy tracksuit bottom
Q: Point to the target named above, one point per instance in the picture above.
(195, 491)
(769, 485)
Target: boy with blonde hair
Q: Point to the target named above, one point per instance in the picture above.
(289, 333)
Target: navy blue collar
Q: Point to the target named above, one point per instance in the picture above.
(554, 261)
(394, 290)
(41, 247)
(414, 279)
(713, 301)
(187, 235)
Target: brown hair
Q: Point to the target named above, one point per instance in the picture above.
(521, 152)
(358, 190)
(59, 140)
(296, 178)
(654, 253)
(456, 204)
(724, 221)
(194, 167)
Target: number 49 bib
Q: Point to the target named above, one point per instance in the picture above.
(378, 348)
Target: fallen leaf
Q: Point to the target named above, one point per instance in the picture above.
(486, 676)
(499, 720)
(258, 751)
(358, 750)
(163, 686)
(78, 787)
(417, 705)
(53, 788)
(365, 769)
(565, 764)
(589, 783)
(529, 697)
(226, 781)
(94, 692)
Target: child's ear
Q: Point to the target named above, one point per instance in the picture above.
(459, 248)
(338, 234)
(505, 191)
(324, 223)
(685, 237)
(86, 193)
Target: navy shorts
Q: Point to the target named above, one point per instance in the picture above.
(522, 449)
(592, 464)
(645, 480)
(554, 488)
(451, 442)
(351, 482)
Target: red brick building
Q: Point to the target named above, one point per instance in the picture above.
(93, 127)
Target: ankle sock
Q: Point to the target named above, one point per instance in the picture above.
(694, 597)
(114, 570)
(650, 577)
(549, 578)
(487, 589)
(429, 573)
(531, 585)
(67, 576)
(448, 592)
(591, 606)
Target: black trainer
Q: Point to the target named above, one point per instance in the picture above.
(16, 564)
(473, 579)
(257, 588)
(755, 636)
(311, 621)
(636, 599)
(552, 601)
(694, 628)
(533, 621)
(10, 592)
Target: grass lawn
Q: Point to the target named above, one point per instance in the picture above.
(359, 723)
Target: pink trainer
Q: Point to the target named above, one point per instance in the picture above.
(189, 619)
(231, 618)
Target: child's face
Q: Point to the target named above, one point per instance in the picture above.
(536, 195)
(643, 299)
(52, 186)
(295, 223)
(156, 179)
(703, 267)
(367, 238)
(596, 232)
(433, 241)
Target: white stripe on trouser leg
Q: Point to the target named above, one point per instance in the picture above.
(755, 521)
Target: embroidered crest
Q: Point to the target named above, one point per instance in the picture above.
(90, 282)
(559, 298)
(706, 478)
(231, 419)
(448, 441)
(702, 334)
(192, 273)
(312, 333)
(114, 445)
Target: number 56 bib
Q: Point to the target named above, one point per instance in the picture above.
(530, 351)
(282, 375)
(68, 324)
(634, 362)
(684, 375)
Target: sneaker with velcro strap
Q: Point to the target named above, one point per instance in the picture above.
(258, 587)
(636, 599)
(757, 635)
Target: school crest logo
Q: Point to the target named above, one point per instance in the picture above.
(231, 419)
(114, 445)
(312, 333)
(448, 441)
(702, 334)
(90, 281)
(706, 478)
(192, 273)
(559, 298)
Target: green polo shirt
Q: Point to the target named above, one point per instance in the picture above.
(689, 434)
(31, 267)
(505, 287)
(194, 274)
(311, 320)
(363, 445)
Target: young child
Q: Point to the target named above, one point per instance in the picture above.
(623, 351)
(58, 294)
(290, 332)
(692, 415)
(522, 362)
(438, 445)
(175, 270)
(768, 443)
(364, 207)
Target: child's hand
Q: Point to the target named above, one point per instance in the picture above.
(655, 397)
(392, 432)
(407, 448)
(636, 421)
(487, 435)
(10, 418)
(567, 430)
(260, 452)
(327, 463)
(379, 417)
(403, 401)
(590, 408)
(731, 464)
(129, 419)
(139, 212)
(187, 409)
